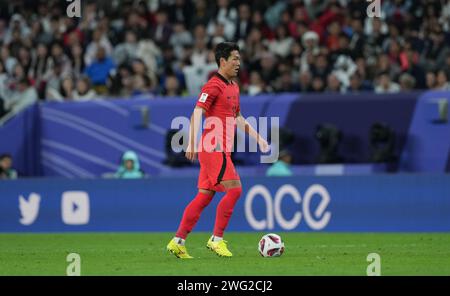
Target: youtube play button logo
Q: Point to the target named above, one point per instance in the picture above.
(75, 207)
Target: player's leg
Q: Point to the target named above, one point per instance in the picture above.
(230, 183)
(233, 189)
(191, 214)
(193, 211)
(190, 217)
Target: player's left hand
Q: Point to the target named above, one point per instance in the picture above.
(191, 154)
(263, 145)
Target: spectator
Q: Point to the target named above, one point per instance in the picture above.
(318, 84)
(76, 56)
(254, 47)
(445, 17)
(243, 22)
(142, 85)
(129, 167)
(407, 82)
(256, 85)
(385, 65)
(333, 84)
(436, 48)
(199, 54)
(8, 60)
(344, 67)
(281, 168)
(305, 80)
(299, 15)
(83, 91)
(357, 39)
(24, 96)
(39, 67)
(149, 54)
(375, 31)
(308, 60)
(430, 80)
(320, 67)
(267, 68)
(126, 51)
(99, 39)
(294, 57)
(18, 29)
(361, 68)
(180, 39)
(197, 73)
(38, 32)
(57, 56)
(218, 35)
(3, 29)
(6, 169)
(282, 43)
(310, 42)
(120, 81)
(442, 81)
(358, 85)
(18, 74)
(52, 78)
(24, 59)
(273, 13)
(181, 12)
(332, 39)
(385, 84)
(65, 91)
(258, 23)
(172, 86)
(315, 7)
(201, 13)
(99, 70)
(140, 68)
(284, 81)
(446, 67)
(409, 62)
(3, 86)
(55, 28)
(226, 15)
(162, 30)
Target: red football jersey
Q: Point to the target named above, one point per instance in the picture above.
(220, 99)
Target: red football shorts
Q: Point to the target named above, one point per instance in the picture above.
(215, 167)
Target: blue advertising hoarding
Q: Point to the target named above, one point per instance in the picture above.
(378, 203)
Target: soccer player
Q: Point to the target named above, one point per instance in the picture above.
(219, 102)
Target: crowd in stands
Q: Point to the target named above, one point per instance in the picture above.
(130, 48)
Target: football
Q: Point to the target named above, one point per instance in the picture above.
(271, 245)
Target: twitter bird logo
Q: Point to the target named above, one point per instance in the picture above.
(29, 209)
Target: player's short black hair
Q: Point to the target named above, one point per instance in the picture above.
(223, 50)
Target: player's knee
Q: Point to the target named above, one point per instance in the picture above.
(205, 199)
(231, 184)
(208, 192)
(237, 191)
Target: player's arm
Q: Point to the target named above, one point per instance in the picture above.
(247, 128)
(196, 120)
(206, 99)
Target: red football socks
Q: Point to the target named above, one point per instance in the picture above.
(225, 209)
(192, 214)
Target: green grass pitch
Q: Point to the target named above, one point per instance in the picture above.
(145, 254)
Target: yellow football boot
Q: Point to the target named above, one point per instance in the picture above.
(220, 248)
(178, 250)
